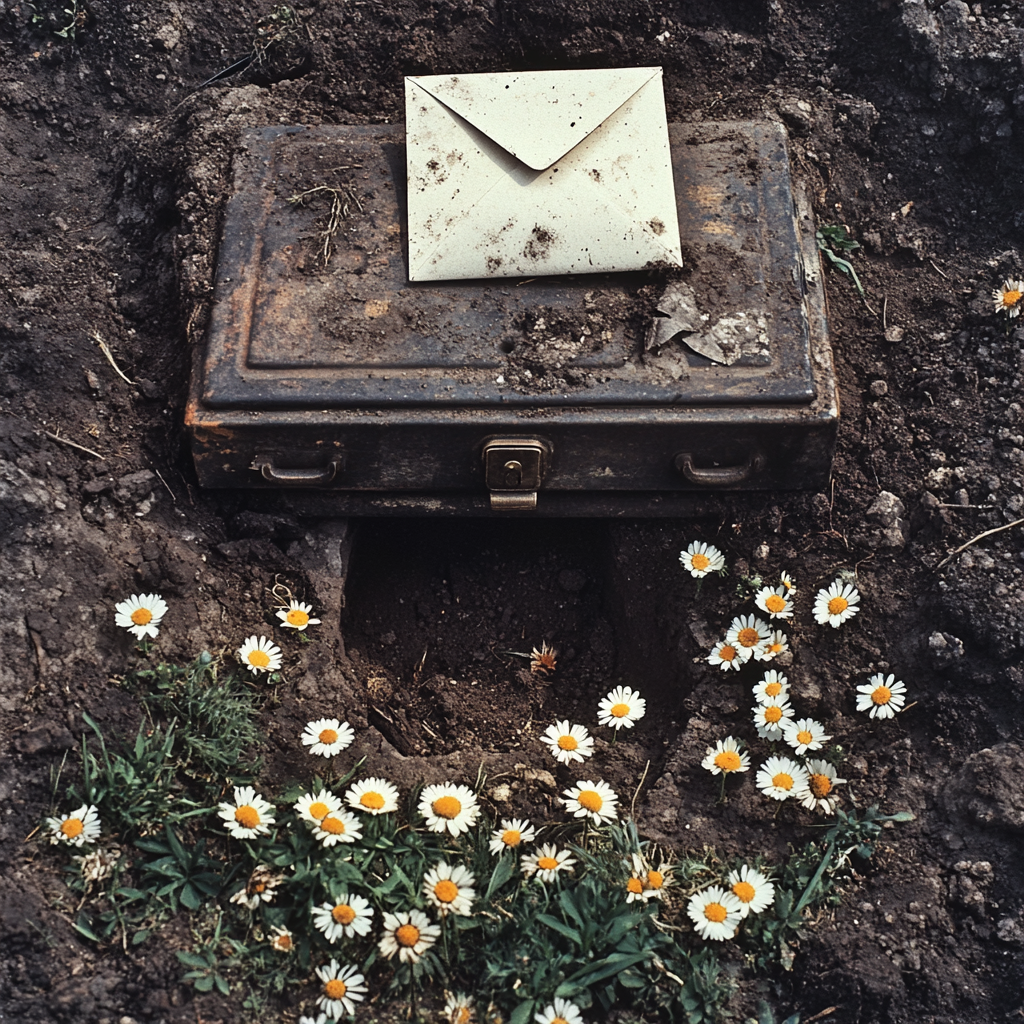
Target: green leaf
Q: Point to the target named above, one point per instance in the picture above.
(175, 844)
(568, 906)
(84, 926)
(205, 983)
(222, 985)
(898, 816)
(191, 959)
(499, 876)
(563, 929)
(522, 1014)
(140, 936)
(190, 897)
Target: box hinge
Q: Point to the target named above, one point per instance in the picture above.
(513, 471)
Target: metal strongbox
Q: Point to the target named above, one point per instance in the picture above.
(326, 373)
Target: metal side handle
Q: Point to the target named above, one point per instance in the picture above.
(290, 477)
(718, 476)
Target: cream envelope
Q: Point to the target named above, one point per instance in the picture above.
(520, 174)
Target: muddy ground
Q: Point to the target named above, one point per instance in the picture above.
(905, 119)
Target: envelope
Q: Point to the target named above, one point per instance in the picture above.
(523, 174)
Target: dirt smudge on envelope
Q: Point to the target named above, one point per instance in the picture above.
(657, 225)
(539, 244)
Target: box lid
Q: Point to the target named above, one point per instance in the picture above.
(294, 329)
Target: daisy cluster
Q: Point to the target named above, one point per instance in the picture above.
(620, 709)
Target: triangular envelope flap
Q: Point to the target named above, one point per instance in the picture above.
(537, 116)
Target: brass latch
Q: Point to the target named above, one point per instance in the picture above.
(513, 471)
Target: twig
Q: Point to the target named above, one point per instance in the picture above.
(938, 271)
(885, 306)
(110, 357)
(974, 540)
(164, 482)
(959, 508)
(823, 1013)
(72, 444)
(639, 785)
(340, 199)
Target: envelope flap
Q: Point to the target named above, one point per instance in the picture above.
(537, 116)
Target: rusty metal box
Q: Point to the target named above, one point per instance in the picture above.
(326, 370)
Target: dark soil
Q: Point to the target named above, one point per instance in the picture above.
(905, 119)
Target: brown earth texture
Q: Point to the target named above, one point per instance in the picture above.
(905, 121)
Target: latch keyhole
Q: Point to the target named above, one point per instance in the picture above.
(513, 473)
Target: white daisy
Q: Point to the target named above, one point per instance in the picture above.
(568, 743)
(882, 697)
(821, 782)
(320, 1018)
(775, 645)
(655, 881)
(260, 655)
(513, 833)
(409, 934)
(312, 808)
(547, 862)
(282, 940)
(699, 559)
(449, 808)
(787, 583)
(343, 988)
(140, 614)
(803, 734)
(752, 889)
(715, 913)
(782, 777)
(77, 828)
(297, 616)
(458, 1009)
(728, 656)
(726, 757)
(372, 796)
(561, 1011)
(338, 827)
(635, 889)
(836, 604)
(249, 816)
(769, 717)
(450, 888)
(749, 633)
(1007, 299)
(777, 603)
(348, 916)
(594, 800)
(327, 736)
(622, 708)
(774, 686)
(261, 887)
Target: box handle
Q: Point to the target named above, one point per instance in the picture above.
(718, 476)
(297, 477)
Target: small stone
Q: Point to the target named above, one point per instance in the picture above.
(761, 552)
(894, 334)
(879, 389)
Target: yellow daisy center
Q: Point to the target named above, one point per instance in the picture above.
(511, 837)
(142, 616)
(407, 935)
(700, 561)
(635, 885)
(655, 879)
(782, 781)
(590, 800)
(1011, 298)
(446, 890)
(446, 807)
(803, 736)
(774, 649)
(567, 743)
(881, 695)
(547, 863)
(748, 637)
(335, 988)
(328, 736)
(462, 1015)
(619, 710)
(716, 912)
(837, 605)
(772, 713)
(335, 826)
(247, 816)
(727, 652)
(343, 914)
(72, 827)
(775, 604)
(283, 942)
(821, 785)
(727, 760)
(744, 891)
(259, 658)
(372, 800)
(773, 689)
(318, 809)
(295, 617)
(259, 887)
(559, 1020)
